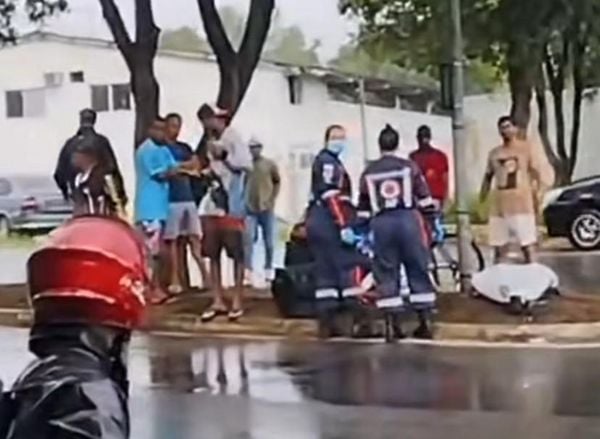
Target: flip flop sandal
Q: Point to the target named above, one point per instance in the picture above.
(235, 315)
(210, 314)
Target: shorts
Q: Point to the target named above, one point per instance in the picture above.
(183, 220)
(514, 228)
(152, 233)
(222, 233)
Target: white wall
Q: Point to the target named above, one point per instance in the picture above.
(32, 144)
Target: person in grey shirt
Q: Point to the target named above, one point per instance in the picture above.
(264, 183)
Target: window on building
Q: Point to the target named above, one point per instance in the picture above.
(77, 76)
(26, 103)
(53, 79)
(306, 160)
(14, 103)
(100, 98)
(295, 89)
(121, 95)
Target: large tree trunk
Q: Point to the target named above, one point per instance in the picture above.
(522, 81)
(521, 92)
(139, 56)
(146, 94)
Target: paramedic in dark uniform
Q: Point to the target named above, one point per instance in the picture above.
(330, 236)
(393, 190)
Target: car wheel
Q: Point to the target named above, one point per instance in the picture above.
(4, 227)
(585, 230)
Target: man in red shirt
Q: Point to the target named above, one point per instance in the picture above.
(433, 164)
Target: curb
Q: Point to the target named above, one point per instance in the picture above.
(447, 334)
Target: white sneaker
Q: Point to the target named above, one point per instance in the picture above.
(269, 275)
(248, 278)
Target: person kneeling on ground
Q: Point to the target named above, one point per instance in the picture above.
(87, 291)
(392, 190)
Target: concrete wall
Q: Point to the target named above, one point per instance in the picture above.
(483, 112)
(290, 132)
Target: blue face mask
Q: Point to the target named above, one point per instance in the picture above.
(336, 146)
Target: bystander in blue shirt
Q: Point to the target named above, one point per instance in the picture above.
(180, 187)
(152, 191)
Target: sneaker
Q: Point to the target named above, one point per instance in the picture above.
(248, 278)
(175, 289)
(269, 274)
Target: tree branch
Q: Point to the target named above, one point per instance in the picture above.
(540, 97)
(255, 35)
(147, 32)
(115, 22)
(579, 48)
(215, 32)
(556, 78)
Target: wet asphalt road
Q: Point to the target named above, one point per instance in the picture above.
(227, 389)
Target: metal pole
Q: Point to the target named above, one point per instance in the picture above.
(460, 152)
(363, 119)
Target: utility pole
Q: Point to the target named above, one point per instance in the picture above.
(460, 149)
(363, 119)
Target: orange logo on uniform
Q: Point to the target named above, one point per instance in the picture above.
(390, 189)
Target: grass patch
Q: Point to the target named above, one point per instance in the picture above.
(18, 241)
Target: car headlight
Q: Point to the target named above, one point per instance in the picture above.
(551, 197)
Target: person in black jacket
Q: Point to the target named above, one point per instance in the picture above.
(66, 171)
(86, 286)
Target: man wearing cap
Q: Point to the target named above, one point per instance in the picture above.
(65, 172)
(264, 183)
(224, 225)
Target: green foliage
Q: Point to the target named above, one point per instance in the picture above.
(284, 44)
(184, 39)
(289, 45)
(35, 10)
(374, 61)
(478, 210)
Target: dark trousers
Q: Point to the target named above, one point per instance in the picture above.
(337, 270)
(401, 239)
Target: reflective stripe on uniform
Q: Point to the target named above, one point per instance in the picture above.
(352, 292)
(326, 293)
(426, 202)
(392, 302)
(423, 298)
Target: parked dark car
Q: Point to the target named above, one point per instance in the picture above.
(573, 212)
(32, 204)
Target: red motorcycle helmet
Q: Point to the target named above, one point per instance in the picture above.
(93, 270)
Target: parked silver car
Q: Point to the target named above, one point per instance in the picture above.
(31, 203)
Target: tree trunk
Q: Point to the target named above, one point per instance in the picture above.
(147, 97)
(542, 104)
(555, 71)
(578, 90)
(139, 57)
(521, 92)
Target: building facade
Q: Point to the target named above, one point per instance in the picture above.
(47, 79)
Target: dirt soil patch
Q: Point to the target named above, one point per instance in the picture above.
(453, 308)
